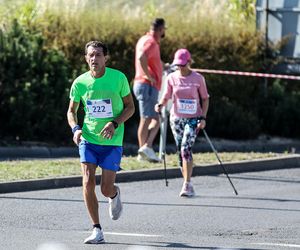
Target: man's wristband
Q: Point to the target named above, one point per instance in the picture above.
(115, 124)
(74, 129)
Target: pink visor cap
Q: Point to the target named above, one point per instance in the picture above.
(181, 57)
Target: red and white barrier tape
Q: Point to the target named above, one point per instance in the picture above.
(241, 73)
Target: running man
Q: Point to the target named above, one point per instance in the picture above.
(105, 95)
(147, 84)
(190, 102)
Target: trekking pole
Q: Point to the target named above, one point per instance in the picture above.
(163, 130)
(165, 167)
(216, 153)
(162, 144)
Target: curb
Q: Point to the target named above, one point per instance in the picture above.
(275, 145)
(292, 161)
(7, 153)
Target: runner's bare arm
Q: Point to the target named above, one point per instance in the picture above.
(109, 129)
(158, 106)
(72, 113)
(128, 110)
(144, 63)
(73, 121)
(202, 124)
(205, 104)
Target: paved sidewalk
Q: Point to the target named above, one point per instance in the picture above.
(290, 161)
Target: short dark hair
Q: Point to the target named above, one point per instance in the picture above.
(97, 44)
(157, 23)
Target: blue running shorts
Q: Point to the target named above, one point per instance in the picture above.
(106, 157)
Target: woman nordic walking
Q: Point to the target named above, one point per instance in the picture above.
(190, 101)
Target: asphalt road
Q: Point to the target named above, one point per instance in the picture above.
(265, 215)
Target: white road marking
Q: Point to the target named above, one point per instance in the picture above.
(278, 244)
(132, 234)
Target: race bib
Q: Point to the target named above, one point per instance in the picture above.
(187, 106)
(101, 108)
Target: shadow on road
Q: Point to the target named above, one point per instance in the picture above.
(178, 204)
(156, 245)
(264, 178)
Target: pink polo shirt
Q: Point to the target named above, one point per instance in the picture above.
(150, 47)
(185, 92)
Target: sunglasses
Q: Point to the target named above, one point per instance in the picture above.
(180, 65)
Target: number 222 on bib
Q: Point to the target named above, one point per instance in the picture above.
(101, 108)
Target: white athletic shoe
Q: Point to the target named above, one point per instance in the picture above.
(96, 237)
(140, 158)
(115, 206)
(187, 190)
(148, 154)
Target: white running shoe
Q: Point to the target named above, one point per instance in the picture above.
(115, 206)
(187, 190)
(140, 158)
(148, 154)
(96, 237)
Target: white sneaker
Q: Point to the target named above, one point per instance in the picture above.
(187, 190)
(140, 158)
(115, 206)
(96, 237)
(149, 154)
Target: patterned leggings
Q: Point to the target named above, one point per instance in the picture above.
(184, 132)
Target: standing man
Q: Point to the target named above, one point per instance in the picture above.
(147, 83)
(108, 103)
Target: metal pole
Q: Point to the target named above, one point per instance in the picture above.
(267, 48)
(163, 132)
(216, 153)
(165, 168)
(163, 140)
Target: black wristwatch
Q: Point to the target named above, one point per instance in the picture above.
(115, 124)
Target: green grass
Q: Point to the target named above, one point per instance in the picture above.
(36, 169)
